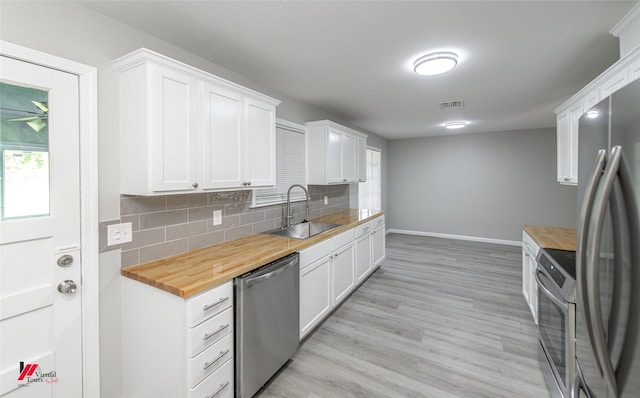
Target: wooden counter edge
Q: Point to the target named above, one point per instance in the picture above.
(129, 272)
(560, 238)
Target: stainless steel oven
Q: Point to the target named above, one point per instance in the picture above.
(555, 275)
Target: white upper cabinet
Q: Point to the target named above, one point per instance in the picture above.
(568, 114)
(334, 153)
(185, 130)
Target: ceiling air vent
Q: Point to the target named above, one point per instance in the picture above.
(452, 104)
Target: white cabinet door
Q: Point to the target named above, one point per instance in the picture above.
(315, 294)
(362, 159)
(529, 266)
(378, 242)
(363, 257)
(173, 130)
(334, 156)
(260, 152)
(222, 138)
(568, 145)
(349, 158)
(342, 273)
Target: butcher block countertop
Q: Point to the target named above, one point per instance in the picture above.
(553, 237)
(192, 272)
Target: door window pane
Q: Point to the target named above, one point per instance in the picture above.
(24, 147)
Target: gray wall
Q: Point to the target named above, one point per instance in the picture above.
(478, 185)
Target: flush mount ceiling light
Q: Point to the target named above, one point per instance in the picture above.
(435, 63)
(455, 125)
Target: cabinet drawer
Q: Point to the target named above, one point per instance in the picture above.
(217, 385)
(210, 360)
(377, 222)
(207, 304)
(209, 332)
(343, 239)
(529, 244)
(363, 229)
(315, 252)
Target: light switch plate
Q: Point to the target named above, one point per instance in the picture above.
(326, 200)
(119, 233)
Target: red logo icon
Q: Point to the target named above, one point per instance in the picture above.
(27, 371)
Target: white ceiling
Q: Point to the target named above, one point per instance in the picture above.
(519, 60)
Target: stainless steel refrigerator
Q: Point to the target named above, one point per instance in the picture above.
(608, 253)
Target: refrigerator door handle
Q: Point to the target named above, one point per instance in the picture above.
(596, 224)
(583, 237)
(631, 335)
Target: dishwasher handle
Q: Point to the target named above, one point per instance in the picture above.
(281, 268)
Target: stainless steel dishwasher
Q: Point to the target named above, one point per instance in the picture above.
(267, 317)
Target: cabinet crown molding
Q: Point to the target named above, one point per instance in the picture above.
(617, 67)
(144, 55)
(329, 123)
(629, 20)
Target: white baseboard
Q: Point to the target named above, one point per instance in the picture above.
(458, 237)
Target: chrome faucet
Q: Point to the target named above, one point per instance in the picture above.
(289, 209)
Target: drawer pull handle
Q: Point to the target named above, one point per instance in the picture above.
(207, 336)
(207, 365)
(220, 389)
(209, 306)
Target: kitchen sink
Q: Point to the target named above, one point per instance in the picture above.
(304, 230)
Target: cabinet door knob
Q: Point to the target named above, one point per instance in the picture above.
(195, 185)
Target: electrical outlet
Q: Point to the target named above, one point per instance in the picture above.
(326, 200)
(217, 217)
(119, 233)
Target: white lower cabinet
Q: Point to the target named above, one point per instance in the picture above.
(529, 265)
(342, 266)
(370, 247)
(330, 270)
(315, 285)
(363, 257)
(175, 347)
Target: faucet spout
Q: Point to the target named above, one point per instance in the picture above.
(289, 215)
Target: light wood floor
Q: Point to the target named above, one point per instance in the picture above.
(441, 318)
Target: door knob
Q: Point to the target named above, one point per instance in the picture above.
(67, 287)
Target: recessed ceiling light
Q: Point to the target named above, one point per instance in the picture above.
(435, 63)
(593, 114)
(455, 125)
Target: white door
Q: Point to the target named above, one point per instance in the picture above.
(40, 314)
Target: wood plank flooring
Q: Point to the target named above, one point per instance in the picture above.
(441, 318)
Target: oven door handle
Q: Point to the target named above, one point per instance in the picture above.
(563, 304)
